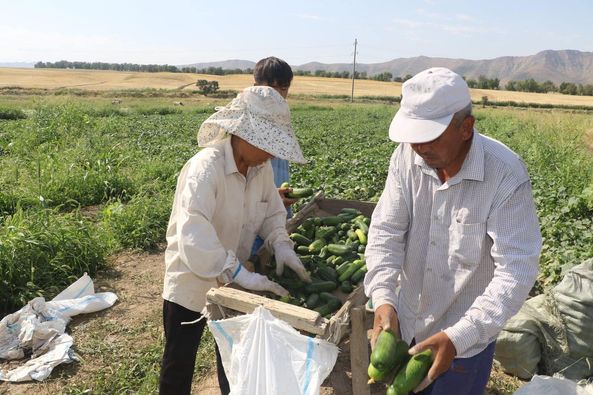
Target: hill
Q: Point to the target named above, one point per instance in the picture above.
(554, 65)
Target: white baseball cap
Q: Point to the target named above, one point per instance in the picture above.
(429, 101)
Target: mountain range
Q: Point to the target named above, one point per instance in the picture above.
(554, 65)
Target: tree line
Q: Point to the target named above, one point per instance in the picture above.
(482, 82)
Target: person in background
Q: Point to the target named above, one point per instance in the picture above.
(275, 73)
(225, 196)
(456, 229)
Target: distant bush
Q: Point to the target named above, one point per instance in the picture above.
(12, 114)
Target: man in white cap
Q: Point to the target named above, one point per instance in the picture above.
(454, 241)
(225, 196)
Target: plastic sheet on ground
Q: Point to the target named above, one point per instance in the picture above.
(264, 355)
(552, 334)
(38, 329)
(553, 386)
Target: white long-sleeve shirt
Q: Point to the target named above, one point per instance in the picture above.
(464, 252)
(216, 215)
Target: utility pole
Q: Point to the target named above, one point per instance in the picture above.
(353, 71)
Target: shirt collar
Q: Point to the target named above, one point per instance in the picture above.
(230, 166)
(473, 165)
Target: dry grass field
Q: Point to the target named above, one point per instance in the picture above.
(109, 80)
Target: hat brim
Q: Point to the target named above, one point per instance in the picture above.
(281, 142)
(404, 129)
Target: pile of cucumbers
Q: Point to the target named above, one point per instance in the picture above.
(332, 250)
(390, 358)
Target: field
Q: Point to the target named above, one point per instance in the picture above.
(102, 81)
(87, 186)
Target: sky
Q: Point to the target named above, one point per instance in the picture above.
(183, 32)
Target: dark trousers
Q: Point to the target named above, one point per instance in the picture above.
(181, 347)
(466, 376)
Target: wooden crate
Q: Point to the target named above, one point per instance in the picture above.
(351, 319)
(333, 329)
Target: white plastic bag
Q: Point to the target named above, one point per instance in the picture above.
(264, 355)
(39, 329)
(553, 386)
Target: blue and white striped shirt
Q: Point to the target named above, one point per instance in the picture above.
(464, 252)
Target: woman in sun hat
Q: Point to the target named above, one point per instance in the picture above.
(225, 196)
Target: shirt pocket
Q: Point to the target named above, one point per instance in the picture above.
(465, 245)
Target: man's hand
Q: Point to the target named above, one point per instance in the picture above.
(443, 353)
(287, 201)
(385, 318)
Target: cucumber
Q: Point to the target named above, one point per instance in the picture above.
(338, 249)
(346, 217)
(352, 235)
(321, 286)
(325, 232)
(362, 237)
(343, 267)
(300, 239)
(331, 221)
(316, 246)
(302, 250)
(349, 210)
(412, 374)
(323, 254)
(327, 273)
(362, 248)
(338, 261)
(306, 258)
(346, 287)
(298, 193)
(376, 375)
(389, 352)
(362, 225)
(359, 274)
(308, 223)
(312, 301)
(328, 308)
(290, 283)
(357, 264)
(326, 296)
(344, 227)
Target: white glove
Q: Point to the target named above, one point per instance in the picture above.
(256, 282)
(285, 255)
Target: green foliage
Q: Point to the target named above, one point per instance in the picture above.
(124, 166)
(561, 172)
(42, 252)
(12, 114)
(139, 224)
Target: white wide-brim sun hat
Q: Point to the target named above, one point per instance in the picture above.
(430, 99)
(258, 115)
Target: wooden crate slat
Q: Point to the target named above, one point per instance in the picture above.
(245, 302)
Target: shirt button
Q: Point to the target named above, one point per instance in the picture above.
(433, 243)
